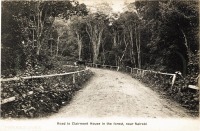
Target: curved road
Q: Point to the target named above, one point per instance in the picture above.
(111, 93)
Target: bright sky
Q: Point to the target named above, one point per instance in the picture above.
(117, 5)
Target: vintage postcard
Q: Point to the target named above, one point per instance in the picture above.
(121, 65)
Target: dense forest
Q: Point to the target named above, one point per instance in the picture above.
(157, 35)
(39, 37)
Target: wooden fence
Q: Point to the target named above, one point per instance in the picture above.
(35, 77)
(142, 72)
(103, 66)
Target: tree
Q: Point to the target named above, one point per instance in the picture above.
(77, 26)
(45, 13)
(173, 32)
(12, 55)
(128, 27)
(32, 21)
(96, 24)
(61, 27)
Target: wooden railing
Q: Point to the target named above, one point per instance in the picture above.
(103, 66)
(142, 72)
(13, 98)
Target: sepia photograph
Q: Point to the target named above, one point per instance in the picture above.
(100, 65)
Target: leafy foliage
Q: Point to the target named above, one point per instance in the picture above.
(39, 36)
(27, 31)
(49, 95)
(180, 92)
(171, 27)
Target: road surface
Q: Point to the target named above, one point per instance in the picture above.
(111, 93)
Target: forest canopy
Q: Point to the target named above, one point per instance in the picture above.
(156, 35)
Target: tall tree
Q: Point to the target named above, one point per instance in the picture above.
(33, 21)
(77, 26)
(61, 27)
(173, 32)
(128, 26)
(96, 24)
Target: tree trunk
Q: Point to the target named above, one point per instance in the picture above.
(38, 48)
(198, 81)
(95, 54)
(136, 43)
(103, 57)
(95, 34)
(126, 45)
(139, 51)
(116, 60)
(137, 40)
(80, 50)
(132, 49)
(96, 42)
(79, 41)
(40, 29)
(115, 40)
(57, 46)
(186, 44)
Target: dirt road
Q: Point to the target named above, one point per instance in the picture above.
(111, 93)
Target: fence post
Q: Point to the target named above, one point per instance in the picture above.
(173, 80)
(118, 68)
(74, 81)
(142, 73)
